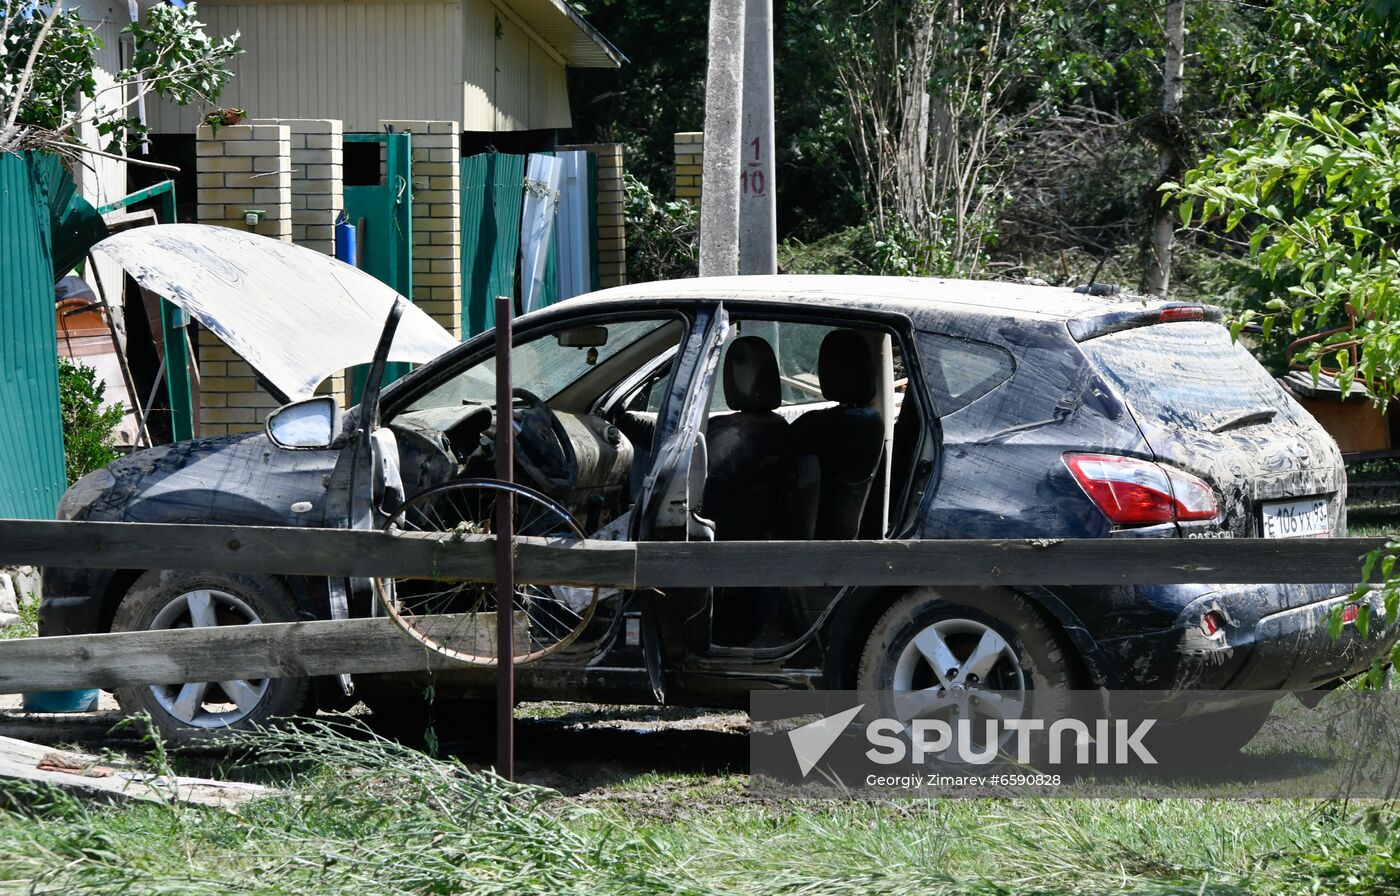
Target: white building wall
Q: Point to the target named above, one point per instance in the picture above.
(549, 92)
(358, 62)
(529, 90)
(365, 62)
(101, 180)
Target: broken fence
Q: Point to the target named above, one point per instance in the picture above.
(376, 645)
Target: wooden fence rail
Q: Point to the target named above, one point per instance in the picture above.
(341, 552)
(217, 653)
(375, 645)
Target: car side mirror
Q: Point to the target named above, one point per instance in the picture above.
(305, 425)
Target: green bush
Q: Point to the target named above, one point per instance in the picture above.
(1347, 856)
(663, 238)
(87, 426)
(863, 249)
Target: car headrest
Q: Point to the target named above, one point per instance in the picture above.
(846, 368)
(751, 375)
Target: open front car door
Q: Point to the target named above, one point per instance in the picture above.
(668, 508)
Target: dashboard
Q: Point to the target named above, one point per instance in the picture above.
(580, 460)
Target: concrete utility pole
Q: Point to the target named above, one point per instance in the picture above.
(719, 185)
(758, 199)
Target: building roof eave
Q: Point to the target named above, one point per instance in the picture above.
(569, 34)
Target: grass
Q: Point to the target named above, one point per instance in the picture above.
(357, 814)
(1374, 471)
(1368, 520)
(28, 625)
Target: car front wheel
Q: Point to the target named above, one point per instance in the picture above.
(200, 711)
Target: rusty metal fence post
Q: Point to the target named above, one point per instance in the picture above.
(505, 560)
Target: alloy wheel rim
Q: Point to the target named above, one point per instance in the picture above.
(960, 669)
(209, 704)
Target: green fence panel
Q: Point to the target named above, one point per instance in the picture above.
(549, 290)
(386, 239)
(32, 475)
(478, 239)
(492, 196)
(74, 225)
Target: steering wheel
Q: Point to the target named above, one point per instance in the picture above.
(544, 453)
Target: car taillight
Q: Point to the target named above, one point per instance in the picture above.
(1133, 492)
(1181, 312)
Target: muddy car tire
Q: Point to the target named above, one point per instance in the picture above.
(1021, 650)
(203, 712)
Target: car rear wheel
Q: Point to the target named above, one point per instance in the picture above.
(966, 654)
(197, 712)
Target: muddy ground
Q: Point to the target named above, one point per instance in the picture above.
(647, 760)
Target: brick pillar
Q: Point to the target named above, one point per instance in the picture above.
(612, 228)
(437, 220)
(243, 167)
(612, 200)
(291, 170)
(230, 400)
(240, 167)
(318, 183)
(690, 151)
(318, 197)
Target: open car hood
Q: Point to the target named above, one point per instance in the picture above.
(295, 315)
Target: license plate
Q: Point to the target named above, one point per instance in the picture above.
(1297, 519)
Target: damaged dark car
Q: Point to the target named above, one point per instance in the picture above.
(771, 408)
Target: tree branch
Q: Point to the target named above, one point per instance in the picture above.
(28, 74)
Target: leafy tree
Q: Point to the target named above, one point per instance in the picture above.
(1308, 46)
(87, 426)
(1053, 108)
(1316, 191)
(661, 90)
(48, 64)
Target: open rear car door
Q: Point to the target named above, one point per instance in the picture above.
(668, 508)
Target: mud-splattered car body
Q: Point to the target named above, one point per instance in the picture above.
(1041, 375)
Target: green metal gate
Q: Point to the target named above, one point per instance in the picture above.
(382, 214)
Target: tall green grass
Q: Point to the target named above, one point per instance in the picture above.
(356, 814)
(353, 815)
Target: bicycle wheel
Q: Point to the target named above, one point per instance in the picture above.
(458, 619)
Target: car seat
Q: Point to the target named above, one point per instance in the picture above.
(836, 451)
(748, 447)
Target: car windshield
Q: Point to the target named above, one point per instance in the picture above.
(543, 365)
(1189, 375)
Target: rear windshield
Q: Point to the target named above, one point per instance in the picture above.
(1190, 375)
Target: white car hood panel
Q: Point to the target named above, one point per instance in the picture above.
(295, 315)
